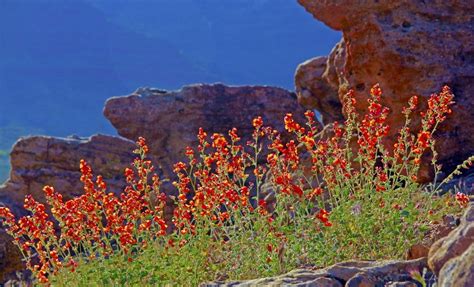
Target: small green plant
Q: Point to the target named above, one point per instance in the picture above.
(246, 210)
(419, 276)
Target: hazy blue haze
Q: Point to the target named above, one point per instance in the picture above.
(61, 59)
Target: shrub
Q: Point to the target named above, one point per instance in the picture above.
(250, 210)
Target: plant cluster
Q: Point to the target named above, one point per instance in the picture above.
(249, 209)
(95, 224)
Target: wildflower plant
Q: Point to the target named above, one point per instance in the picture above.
(248, 209)
(96, 224)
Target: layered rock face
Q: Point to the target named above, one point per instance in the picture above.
(452, 257)
(171, 120)
(39, 161)
(409, 47)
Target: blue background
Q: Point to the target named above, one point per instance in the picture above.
(61, 59)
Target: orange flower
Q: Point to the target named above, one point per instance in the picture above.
(462, 199)
(257, 122)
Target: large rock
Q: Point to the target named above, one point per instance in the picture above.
(351, 274)
(38, 161)
(458, 271)
(170, 120)
(454, 247)
(409, 47)
(314, 92)
(10, 258)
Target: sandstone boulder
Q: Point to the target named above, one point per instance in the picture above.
(171, 120)
(39, 160)
(458, 271)
(352, 273)
(409, 47)
(454, 245)
(314, 92)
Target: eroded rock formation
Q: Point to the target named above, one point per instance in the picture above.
(452, 257)
(38, 161)
(458, 271)
(315, 92)
(352, 273)
(171, 120)
(409, 47)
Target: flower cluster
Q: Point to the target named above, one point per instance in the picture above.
(212, 185)
(34, 234)
(462, 199)
(95, 224)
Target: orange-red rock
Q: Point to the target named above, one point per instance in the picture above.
(315, 92)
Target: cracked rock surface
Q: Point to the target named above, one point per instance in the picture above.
(350, 274)
(171, 119)
(408, 47)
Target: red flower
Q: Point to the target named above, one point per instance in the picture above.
(323, 216)
(462, 199)
(7, 215)
(290, 124)
(257, 122)
(269, 247)
(297, 190)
